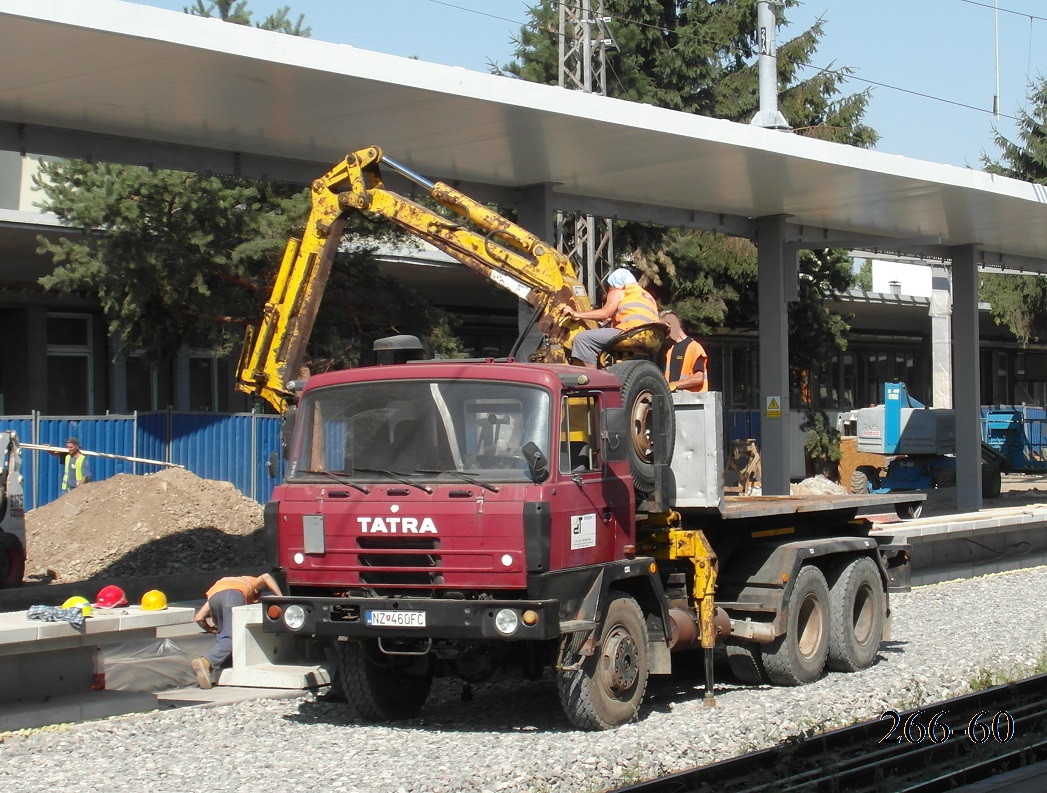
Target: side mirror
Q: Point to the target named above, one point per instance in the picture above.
(287, 430)
(536, 462)
(272, 465)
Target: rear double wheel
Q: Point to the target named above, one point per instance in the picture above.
(856, 616)
(383, 687)
(746, 662)
(608, 687)
(798, 656)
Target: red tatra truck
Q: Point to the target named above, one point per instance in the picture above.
(495, 518)
(480, 519)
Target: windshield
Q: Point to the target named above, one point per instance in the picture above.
(381, 431)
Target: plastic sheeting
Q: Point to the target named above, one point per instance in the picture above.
(158, 666)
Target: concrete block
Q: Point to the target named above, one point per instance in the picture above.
(54, 673)
(276, 676)
(134, 617)
(268, 660)
(102, 704)
(73, 708)
(26, 715)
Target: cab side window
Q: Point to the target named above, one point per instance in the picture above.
(578, 434)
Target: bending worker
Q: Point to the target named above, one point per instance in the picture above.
(686, 362)
(627, 305)
(216, 616)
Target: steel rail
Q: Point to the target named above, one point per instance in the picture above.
(924, 750)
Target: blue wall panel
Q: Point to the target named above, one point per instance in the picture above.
(233, 448)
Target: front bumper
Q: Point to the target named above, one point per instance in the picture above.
(463, 620)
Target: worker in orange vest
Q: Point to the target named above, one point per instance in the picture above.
(627, 305)
(686, 362)
(216, 616)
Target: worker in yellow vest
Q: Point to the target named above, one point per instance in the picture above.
(75, 468)
(628, 305)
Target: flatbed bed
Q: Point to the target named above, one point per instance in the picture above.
(736, 507)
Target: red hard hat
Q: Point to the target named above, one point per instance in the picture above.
(110, 597)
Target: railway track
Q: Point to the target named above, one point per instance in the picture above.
(936, 748)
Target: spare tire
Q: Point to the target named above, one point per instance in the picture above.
(649, 405)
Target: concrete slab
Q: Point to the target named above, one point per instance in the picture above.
(73, 708)
(219, 695)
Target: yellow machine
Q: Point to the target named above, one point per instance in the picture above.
(492, 245)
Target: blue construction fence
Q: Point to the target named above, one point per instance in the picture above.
(230, 447)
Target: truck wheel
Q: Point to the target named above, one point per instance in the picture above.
(992, 481)
(946, 478)
(860, 483)
(856, 610)
(382, 687)
(909, 511)
(608, 688)
(12, 561)
(797, 657)
(746, 662)
(649, 404)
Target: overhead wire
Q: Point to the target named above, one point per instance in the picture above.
(842, 74)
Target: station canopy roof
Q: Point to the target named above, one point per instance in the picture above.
(118, 81)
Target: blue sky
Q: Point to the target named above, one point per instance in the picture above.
(930, 64)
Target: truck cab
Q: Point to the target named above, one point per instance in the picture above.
(455, 518)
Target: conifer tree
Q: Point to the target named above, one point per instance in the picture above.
(1020, 301)
(700, 56)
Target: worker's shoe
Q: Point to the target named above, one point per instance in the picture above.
(202, 667)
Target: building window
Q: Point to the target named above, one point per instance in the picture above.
(141, 383)
(69, 365)
(203, 382)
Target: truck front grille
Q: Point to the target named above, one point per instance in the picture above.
(399, 561)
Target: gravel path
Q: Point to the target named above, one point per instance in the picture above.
(513, 737)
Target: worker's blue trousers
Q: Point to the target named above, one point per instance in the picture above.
(222, 604)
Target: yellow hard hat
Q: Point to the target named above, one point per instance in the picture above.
(154, 600)
(79, 602)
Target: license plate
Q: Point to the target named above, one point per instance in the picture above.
(396, 619)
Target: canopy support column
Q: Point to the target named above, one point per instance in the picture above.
(966, 378)
(776, 282)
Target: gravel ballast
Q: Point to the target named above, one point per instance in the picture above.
(514, 736)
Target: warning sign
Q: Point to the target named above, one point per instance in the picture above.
(774, 408)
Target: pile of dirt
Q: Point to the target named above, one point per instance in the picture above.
(168, 522)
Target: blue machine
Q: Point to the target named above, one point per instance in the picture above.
(1019, 434)
(920, 444)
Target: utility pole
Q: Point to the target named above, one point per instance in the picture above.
(769, 115)
(584, 40)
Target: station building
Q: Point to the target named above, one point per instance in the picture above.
(58, 359)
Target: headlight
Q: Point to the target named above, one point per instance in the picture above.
(506, 621)
(294, 617)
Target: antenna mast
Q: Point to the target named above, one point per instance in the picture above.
(584, 41)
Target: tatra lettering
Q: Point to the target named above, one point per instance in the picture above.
(396, 525)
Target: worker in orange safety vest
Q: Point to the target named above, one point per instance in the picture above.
(628, 305)
(686, 362)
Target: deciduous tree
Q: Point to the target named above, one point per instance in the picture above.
(187, 258)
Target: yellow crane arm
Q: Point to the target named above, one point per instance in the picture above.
(501, 250)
